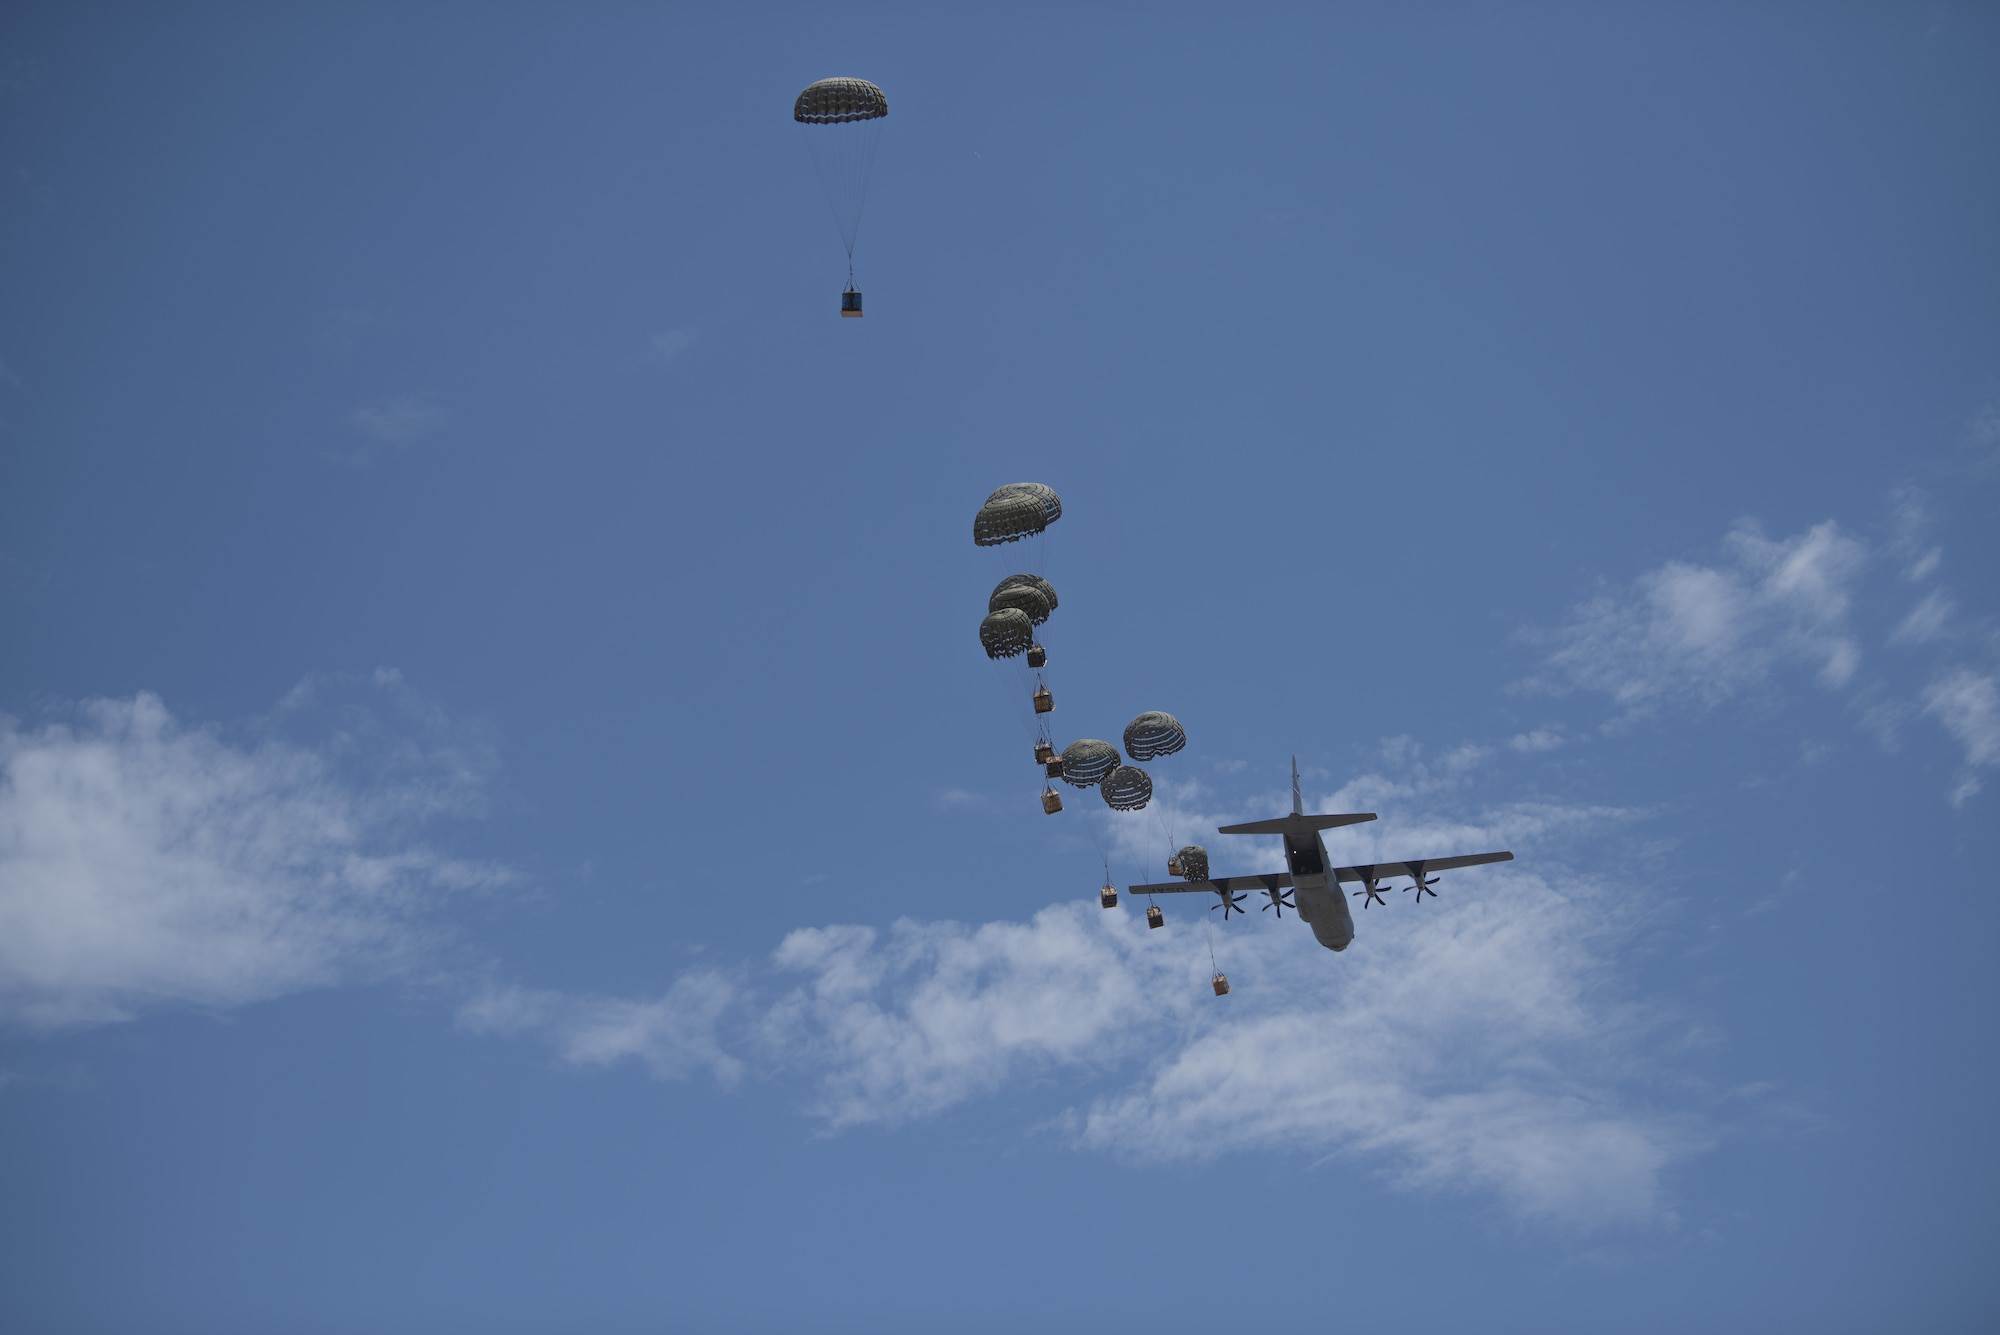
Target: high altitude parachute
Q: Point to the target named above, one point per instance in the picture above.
(842, 122)
(1016, 511)
(1087, 761)
(1035, 582)
(1024, 598)
(1128, 788)
(1006, 632)
(1153, 734)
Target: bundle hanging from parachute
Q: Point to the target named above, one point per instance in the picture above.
(1086, 762)
(1015, 511)
(1128, 788)
(1153, 734)
(842, 122)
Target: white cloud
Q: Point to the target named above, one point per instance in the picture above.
(664, 347)
(1701, 634)
(1466, 1047)
(1925, 621)
(143, 862)
(1475, 1044)
(673, 1036)
(401, 419)
(1910, 528)
(1541, 739)
(1967, 704)
(932, 1014)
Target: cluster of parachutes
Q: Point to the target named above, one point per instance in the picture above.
(1016, 610)
(1122, 784)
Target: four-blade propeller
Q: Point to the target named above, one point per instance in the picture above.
(1423, 887)
(1231, 903)
(1373, 891)
(1279, 901)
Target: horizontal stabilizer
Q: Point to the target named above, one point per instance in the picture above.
(1295, 824)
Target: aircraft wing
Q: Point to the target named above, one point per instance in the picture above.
(1382, 871)
(1235, 885)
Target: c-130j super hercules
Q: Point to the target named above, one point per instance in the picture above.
(1313, 878)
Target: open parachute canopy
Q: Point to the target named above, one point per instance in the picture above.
(841, 121)
(837, 101)
(1015, 511)
(1006, 632)
(1087, 761)
(1193, 860)
(1023, 597)
(1035, 582)
(1127, 789)
(1153, 734)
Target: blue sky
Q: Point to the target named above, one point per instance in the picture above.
(505, 824)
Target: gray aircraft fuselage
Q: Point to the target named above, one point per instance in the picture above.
(1321, 901)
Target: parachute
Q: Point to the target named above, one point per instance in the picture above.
(1023, 598)
(842, 123)
(1127, 789)
(1015, 511)
(1035, 582)
(1153, 734)
(1193, 862)
(1006, 633)
(1087, 761)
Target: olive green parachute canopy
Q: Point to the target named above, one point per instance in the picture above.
(1153, 734)
(836, 101)
(1128, 788)
(1035, 582)
(1015, 511)
(1006, 633)
(1087, 761)
(1023, 597)
(1194, 862)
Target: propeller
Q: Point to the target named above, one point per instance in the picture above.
(1279, 901)
(1230, 903)
(1374, 893)
(1423, 887)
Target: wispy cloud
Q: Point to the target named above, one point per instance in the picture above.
(672, 1035)
(1470, 1048)
(399, 420)
(143, 862)
(665, 346)
(1700, 634)
(1926, 620)
(1967, 704)
(1690, 635)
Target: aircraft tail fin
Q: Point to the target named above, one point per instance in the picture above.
(1298, 803)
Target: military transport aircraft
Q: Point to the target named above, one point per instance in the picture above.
(1315, 880)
